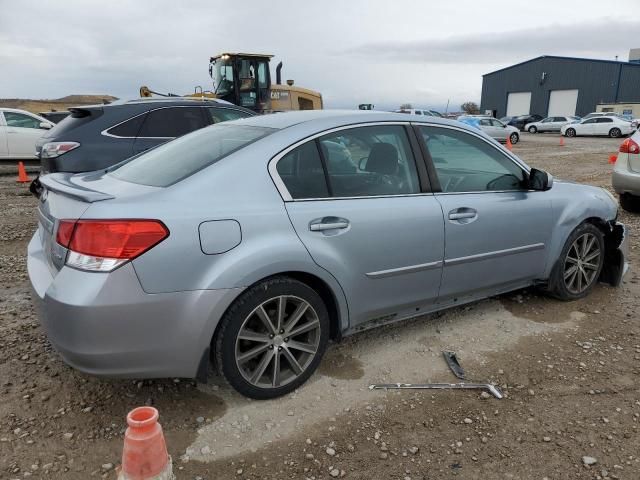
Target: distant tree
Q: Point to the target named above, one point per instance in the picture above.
(406, 106)
(470, 108)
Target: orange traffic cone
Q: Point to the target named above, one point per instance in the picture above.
(562, 140)
(145, 455)
(22, 174)
(509, 145)
(613, 157)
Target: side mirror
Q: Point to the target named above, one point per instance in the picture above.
(45, 125)
(504, 126)
(539, 180)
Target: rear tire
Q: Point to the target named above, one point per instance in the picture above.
(615, 133)
(272, 338)
(630, 203)
(514, 137)
(570, 132)
(578, 268)
(533, 129)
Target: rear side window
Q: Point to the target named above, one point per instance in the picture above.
(172, 122)
(218, 115)
(173, 161)
(128, 129)
(302, 173)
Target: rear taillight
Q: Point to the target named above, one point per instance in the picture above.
(629, 146)
(103, 245)
(55, 149)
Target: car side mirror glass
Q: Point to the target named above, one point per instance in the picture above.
(45, 125)
(539, 180)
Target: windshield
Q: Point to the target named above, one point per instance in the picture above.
(173, 161)
(223, 76)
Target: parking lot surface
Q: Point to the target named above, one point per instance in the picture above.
(569, 372)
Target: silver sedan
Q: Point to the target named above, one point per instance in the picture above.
(253, 243)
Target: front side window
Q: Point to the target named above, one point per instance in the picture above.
(466, 163)
(172, 122)
(497, 123)
(605, 120)
(173, 161)
(369, 161)
(590, 120)
(225, 114)
(548, 119)
(485, 122)
(20, 120)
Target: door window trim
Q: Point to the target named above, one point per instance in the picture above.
(437, 189)
(272, 166)
(106, 133)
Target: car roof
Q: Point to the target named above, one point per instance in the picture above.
(177, 101)
(336, 117)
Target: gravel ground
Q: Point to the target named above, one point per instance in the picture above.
(569, 372)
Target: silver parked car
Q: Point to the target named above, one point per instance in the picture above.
(626, 173)
(550, 124)
(253, 242)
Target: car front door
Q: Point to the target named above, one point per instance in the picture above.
(359, 205)
(496, 231)
(587, 127)
(4, 151)
(500, 129)
(545, 124)
(603, 125)
(167, 123)
(22, 133)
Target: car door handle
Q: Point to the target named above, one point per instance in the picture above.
(328, 223)
(458, 216)
(463, 215)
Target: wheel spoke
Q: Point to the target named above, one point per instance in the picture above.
(264, 317)
(292, 361)
(570, 271)
(572, 260)
(591, 256)
(296, 316)
(590, 266)
(589, 245)
(304, 328)
(262, 366)
(282, 305)
(572, 279)
(246, 356)
(303, 347)
(275, 378)
(579, 287)
(253, 336)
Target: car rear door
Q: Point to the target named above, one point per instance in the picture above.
(4, 151)
(496, 232)
(166, 123)
(364, 213)
(22, 133)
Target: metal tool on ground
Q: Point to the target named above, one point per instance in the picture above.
(492, 389)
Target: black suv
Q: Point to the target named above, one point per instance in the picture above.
(520, 121)
(98, 136)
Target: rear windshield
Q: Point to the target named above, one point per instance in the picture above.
(77, 118)
(175, 160)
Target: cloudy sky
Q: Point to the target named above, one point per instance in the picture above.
(353, 51)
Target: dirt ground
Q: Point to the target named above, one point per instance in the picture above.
(569, 372)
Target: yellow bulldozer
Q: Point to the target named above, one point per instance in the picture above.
(244, 79)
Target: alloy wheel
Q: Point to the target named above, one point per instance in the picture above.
(582, 263)
(277, 341)
(571, 132)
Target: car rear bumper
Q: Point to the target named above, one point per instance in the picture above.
(106, 325)
(625, 181)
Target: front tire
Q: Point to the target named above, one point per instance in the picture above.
(615, 133)
(533, 129)
(570, 132)
(578, 268)
(272, 338)
(514, 137)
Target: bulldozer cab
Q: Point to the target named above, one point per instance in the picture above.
(242, 79)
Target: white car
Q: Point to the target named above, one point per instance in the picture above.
(550, 124)
(416, 111)
(19, 131)
(613, 127)
(492, 127)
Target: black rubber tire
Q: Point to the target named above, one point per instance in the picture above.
(630, 203)
(514, 137)
(615, 133)
(224, 342)
(556, 286)
(533, 129)
(570, 132)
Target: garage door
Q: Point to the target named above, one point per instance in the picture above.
(518, 103)
(562, 102)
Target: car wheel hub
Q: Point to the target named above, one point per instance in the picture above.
(582, 263)
(277, 341)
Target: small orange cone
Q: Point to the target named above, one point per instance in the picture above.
(22, 174)
(145, 455)
(509, 145)
(562, 140)
(612, 158)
